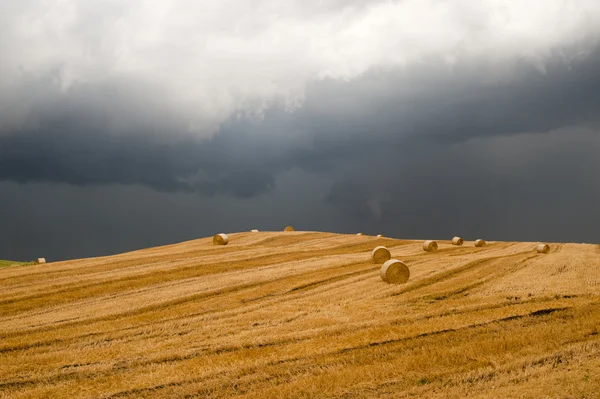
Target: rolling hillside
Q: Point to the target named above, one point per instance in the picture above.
(304, 315)
(11, 263)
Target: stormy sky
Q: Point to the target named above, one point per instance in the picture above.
(128, 124)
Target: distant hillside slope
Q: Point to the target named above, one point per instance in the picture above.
(10, 263)
(304, 315)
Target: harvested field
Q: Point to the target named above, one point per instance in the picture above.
(305, 315)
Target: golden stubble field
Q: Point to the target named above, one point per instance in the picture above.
(304, 315)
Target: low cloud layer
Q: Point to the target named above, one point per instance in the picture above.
(526, 187)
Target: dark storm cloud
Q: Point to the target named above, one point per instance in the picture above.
(120, 128)
(63, 221)
(63, 154)
(521, 187)
(385, 114)
(466, 101)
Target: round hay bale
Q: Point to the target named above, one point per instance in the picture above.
(430, 246)
(394, 272)
(40, 261)
(457, 241)
(543, 248)
(380, 254)
(220, 239)
(480, 243)
(253, 231)
(288, 228)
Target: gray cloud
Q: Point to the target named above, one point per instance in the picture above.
(202, 65)
(370, 123)
(382, 116)
(62, 221)
(520, 187)
(184, 166)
